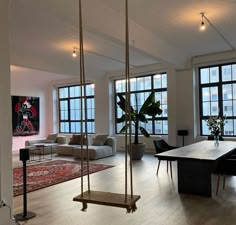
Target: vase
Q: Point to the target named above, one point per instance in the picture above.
(216, 138)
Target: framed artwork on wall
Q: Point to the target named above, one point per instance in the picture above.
(25, 115)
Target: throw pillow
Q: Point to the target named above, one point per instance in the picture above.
(77, 140)
(100, 139)
(61, 140)
(52, 138)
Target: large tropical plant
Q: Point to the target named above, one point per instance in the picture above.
(150, 107)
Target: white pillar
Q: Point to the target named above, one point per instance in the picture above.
(5, 118)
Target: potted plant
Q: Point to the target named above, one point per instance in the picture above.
(150, 107)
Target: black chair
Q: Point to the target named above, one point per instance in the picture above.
(162, 146)
(226, 167)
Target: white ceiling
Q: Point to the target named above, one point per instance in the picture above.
(43, 33)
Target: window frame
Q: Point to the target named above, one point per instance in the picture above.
(68, 100)
(219, 84)
(159, 90)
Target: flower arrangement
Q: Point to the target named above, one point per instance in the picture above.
(216, 125)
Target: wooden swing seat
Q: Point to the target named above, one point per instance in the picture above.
(108, 199)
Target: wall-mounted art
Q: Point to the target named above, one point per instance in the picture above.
(25, 115)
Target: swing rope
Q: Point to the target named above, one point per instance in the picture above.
(83, 104)
(98, 197)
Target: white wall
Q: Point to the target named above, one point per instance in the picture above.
(5, 118)
(185, 105)
(29, 82)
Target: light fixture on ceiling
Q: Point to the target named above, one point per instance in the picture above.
(202, 26)
(74, 54)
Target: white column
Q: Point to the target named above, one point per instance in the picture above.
(5, 118)
(172, 105)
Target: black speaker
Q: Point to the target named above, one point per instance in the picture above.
(182, 132)
(24, 154)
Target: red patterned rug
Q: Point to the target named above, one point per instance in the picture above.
(49, 173)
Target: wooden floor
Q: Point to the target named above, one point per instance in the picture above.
(160, 203)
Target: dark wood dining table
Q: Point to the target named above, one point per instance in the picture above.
(196, 163)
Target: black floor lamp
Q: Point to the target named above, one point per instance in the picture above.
(183, 133)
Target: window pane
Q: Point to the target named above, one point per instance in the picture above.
(140, 83)
(206, 108)
(204, 75)
(228, 108)
(165, 127)
(205, 129)
(164, 111)
(234, 108)
(229, 127)
(214, 109)
(147, 84)
(90, 89)
(157, 81)
(158, 127)
(226, 73)
(64, 127)
(227, 91)
(72, 91)
(63, 105)
(214, 93)
(234, 71)
(164, 80)
(206, 94)
(214, 74)
(133, 85)
(63, 92)
(164, 97)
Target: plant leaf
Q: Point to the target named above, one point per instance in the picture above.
(123, 102)
(121, 119)
(154, 109)
(150, 99)
(142, 118)
(144, 132)
(124, 128)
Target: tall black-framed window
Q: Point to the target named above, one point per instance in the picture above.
(140, 88)
(70, 109)
(218, 96)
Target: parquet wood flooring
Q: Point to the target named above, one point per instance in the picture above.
(160, 203)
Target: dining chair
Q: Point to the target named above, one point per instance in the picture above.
(225, 167)
(163, 146)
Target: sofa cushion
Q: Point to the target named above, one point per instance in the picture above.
(77, 139)
(100, 139)
(95, 152)
(48, 141)
(61, 140)
(51, 138)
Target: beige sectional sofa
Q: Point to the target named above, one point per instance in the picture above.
(99, 146)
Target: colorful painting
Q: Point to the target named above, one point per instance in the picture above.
(25, 115)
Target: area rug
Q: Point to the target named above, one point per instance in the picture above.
(50, 173)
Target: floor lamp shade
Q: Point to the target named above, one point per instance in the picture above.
(182, 132)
